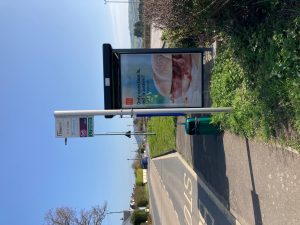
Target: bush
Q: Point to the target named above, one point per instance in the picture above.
(140, 196)
(178, 38)
(230, 87)
(136, 165)
(257, 72)
(142, 202)
(139, 217)
(138, 29)
(189, 21)
(142, 150)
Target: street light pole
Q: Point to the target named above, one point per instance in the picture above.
(127, 134)
(127, 2)
(114, 212)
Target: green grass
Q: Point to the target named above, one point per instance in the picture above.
(139, 177)
(140, 194)
(164, 140)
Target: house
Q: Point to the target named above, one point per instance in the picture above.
(127, 218)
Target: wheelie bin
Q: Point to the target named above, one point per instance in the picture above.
(201, 125)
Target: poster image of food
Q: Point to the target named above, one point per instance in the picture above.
(161, 80)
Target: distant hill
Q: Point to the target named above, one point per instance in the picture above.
(133, 17)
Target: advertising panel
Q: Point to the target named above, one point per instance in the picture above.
(159, 80)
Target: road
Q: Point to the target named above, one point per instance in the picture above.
(179, 196)
(162, 209)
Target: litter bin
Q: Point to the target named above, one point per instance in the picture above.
(202, 125)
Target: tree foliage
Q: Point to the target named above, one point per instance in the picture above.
(206, 18)
(69, 216)
(138, 29)
(139, 217)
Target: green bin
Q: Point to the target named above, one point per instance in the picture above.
(202, 125)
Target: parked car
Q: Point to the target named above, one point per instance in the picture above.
(144, 162)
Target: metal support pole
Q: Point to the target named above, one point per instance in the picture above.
(132, 112)
(126, 2)
(114, 212)
(124, 133)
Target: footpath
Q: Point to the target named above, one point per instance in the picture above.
(257, 182)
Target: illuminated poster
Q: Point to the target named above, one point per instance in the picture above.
(161, 80)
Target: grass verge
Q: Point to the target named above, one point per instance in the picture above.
(139, 177)
(164, 140)
(141, 196)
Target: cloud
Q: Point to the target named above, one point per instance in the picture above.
(120, 24)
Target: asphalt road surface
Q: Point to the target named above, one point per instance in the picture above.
(178, 194)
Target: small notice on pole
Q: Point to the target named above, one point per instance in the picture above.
(82, 126)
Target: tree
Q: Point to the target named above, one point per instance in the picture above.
(138, 217)
(138, 29)
(69, 216)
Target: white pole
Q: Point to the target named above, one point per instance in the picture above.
(140, 111)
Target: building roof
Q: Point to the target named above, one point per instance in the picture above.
(127, 218)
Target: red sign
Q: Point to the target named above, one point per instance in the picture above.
(129, 101)
(83, 127)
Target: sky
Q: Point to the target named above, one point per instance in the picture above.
(51, 59)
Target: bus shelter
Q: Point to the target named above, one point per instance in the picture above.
(152, 78)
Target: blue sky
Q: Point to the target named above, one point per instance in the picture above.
(51, 59)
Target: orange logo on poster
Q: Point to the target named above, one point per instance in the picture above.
(129, 101)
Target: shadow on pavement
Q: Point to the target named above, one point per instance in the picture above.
(209, 162)
(254, 195)
(208, 151)
(165, 153)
